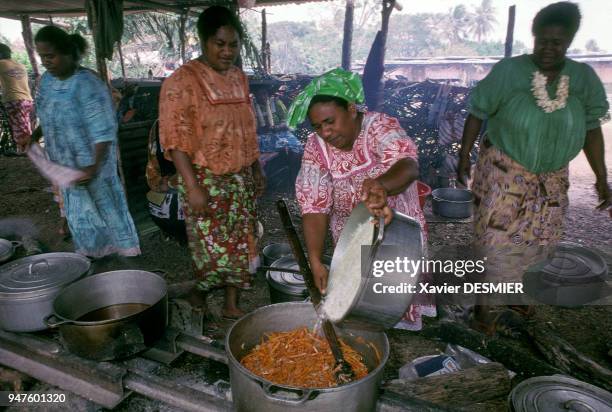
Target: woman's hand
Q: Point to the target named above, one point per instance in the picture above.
(463, 169)
(89, 173)
(375, 198)
(320, 274)
(23, 143)
(197, 198)
(259, 178)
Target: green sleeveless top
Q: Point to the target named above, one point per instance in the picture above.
(541, 142)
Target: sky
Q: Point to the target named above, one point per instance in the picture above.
(596, 17)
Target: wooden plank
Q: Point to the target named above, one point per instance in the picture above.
(347, 40)
(480, 383)
(510, 31)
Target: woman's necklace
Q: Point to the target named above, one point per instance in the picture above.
(538, 87)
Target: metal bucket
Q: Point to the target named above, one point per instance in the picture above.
(452, 202)
(255, 394)
(369, 309)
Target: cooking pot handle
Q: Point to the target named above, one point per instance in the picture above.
(159, 272)
(48, 320)
(381, 231)
(36, 263)
(305, 394)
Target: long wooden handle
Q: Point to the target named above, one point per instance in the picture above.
(298, 251)
(345, 373)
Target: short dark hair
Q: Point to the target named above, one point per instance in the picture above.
(67, 44)
(215, 17)
(5, 51)
(324, 98)
(563, 13)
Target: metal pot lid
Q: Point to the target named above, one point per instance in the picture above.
(558, 393)
(36, 275)
(6, 249)
(574, 264)
(291, 283)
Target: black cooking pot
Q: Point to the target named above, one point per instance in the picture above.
(111, 315)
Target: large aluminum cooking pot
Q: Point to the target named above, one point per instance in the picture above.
(111, 315)
(452, 202)
(255, 394)
(363, 305)
(29, 285)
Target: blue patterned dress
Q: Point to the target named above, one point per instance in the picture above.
(76, 114)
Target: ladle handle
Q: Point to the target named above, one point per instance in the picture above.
(298, 251)
(315, 295)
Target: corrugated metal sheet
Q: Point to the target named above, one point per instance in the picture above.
(133, 141)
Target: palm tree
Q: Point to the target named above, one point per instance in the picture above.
(455, 25)
(483, 20)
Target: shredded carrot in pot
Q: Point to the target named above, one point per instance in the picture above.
(301, 359)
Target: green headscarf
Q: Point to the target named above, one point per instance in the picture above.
(336, 82)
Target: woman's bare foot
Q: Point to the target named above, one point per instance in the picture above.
(234, 313)
(230, 308)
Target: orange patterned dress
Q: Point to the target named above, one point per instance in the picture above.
(209, 116)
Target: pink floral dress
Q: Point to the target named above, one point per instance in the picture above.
(330, 181)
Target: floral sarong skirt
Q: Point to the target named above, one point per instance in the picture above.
(518, 215)
(220, 240)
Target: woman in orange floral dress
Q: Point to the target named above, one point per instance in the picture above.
(207, 128)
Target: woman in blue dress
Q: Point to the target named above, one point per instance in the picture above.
(78, 121)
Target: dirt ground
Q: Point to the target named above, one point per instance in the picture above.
(24, 194)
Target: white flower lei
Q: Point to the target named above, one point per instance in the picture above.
(538, 87)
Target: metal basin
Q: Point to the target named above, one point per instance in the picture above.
(255, 394)
(452, 202)
(366, 307)
(111, 315)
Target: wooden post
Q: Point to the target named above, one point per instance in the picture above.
(347, 40)
(510, 32)
(183, 22)
(375, 65)
(121, 60)
(100, 60)
(28, 40)
(386, 16)
(264, 42)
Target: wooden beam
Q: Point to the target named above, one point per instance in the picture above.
(480, 383)
(100, 60)
(28, 40)
(121, 59)
(264, 41)
(347, 39)
(182, 24)
(505, 351)
(566, 357)
(510, 31)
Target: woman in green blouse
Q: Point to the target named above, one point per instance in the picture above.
(542, 109)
